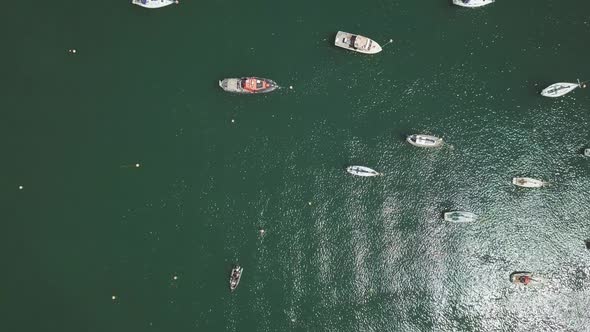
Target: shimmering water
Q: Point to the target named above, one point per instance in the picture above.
(340, 253)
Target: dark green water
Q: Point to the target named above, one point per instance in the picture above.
(340, 253)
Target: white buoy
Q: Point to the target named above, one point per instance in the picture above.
(113, 297)
(175, 278)
(291, 87)
(232, 120)
(20, 187)
(137, 165)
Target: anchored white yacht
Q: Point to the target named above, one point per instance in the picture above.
(472, 3)
(528, 182)
(154, 3)
(425, 141)
(561, 89)
(361, 171)
(356, 43)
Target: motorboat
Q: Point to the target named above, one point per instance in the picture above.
(234, 278)
(472, 3)
(356, 43)
(154, 3)
(522, 278)
(248, 85)
(560, 89)
(460, 216)
(425, 141)
(528, 182)
(587, 152)
(361, 171)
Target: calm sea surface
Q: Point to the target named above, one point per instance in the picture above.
(93, 243)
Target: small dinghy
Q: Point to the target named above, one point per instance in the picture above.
(460, 216)
(356, 43)
(234, 278)
(472, 3)
(154, 3)
(248, 85)
(561, 89)
(425, 141)
(361, 171)
(587, 152)
(522, 278)
(528, 182)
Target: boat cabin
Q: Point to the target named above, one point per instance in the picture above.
(254, 85)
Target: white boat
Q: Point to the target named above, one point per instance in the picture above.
(356, 43)
(154, 3)
(425, 141)
(460, 216)
(234, 277)
(361, 171)
(560, 89)
(528, 182)
(587, 152)
(472, 3)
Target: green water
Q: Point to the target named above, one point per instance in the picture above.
(340, 253)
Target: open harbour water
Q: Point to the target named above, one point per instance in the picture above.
(93, 243)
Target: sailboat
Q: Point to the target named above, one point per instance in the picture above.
(561, 89)
(361, 171)
(472, 3)
(154, 3)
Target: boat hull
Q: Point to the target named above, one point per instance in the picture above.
(472, 3)
(152, 4)
(236, 85)
(587, 152)
(357, 43)
(361, 171)
(424, 141)
(460, 216)
(559, 89)
(528, 182)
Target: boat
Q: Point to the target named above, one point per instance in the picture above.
(248, 85)
(472, 3)
(154, 3)
(460, 216)
(425, 141)
(522, 278)
(356, 43)
(528, 182)
(234, 277)
(587, 152)
(559, 89)
(361, 171)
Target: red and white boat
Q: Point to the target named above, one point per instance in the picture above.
(248, 85)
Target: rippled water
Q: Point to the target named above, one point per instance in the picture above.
(339, 253)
